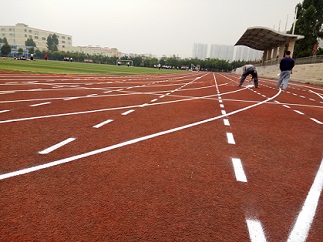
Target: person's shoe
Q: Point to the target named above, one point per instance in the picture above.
(239, 85)
(257, 87)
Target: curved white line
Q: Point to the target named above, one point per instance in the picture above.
(98, 151)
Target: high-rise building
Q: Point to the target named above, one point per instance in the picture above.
(200, 51)
(247, 54)
(222, 52)
(18, 34)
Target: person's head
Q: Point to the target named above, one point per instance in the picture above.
(287, 53)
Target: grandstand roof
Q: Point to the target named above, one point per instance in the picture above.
(261, 38)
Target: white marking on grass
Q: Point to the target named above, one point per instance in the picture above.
(238, 170)
(55, 147)
(305, 218)
(103, 123)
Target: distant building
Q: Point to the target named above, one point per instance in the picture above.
(222, 52)
(246, 53)
(200, 51)
(18, 34)
(97, 50)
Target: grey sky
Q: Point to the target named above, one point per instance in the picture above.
(159, 27)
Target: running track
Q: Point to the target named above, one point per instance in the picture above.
(187, 157)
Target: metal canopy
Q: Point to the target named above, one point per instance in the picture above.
(261, 38)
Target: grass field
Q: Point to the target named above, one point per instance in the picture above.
(61, 67)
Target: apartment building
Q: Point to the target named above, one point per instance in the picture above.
(200, 51)
(18, 34)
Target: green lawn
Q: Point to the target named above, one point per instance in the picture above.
(62, 67)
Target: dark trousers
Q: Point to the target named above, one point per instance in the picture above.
(254, 75)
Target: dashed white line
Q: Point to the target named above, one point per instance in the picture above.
(299, 112)
(154, 100)
(230, 138)
(256, 231)
(39, 104)
(238, 170)
(127, 112)
(315, 120)
(286, 106)
(54, 147)
(223, 112)
(226, 122)
(4, 111)
(103, 123)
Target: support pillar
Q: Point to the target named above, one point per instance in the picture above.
(291, 46)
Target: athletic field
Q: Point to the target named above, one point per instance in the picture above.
(183, 156)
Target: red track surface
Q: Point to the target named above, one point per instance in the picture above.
(164, 171)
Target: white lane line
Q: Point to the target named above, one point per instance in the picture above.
(315, 120)
(223, 112)
(154, 100)
(256, 232)
(4, 111)
(299, 112)
(230, 138)
(103, 123)
(306, 215)
(221, 106)
(238, 170)
(316, 94)
(127, 112)
(286, 106)
(226, 122)
(129, 142)
(39, 104)
(55, 147)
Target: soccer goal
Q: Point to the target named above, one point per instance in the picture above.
(124, 62)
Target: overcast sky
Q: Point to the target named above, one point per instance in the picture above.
(158, 27)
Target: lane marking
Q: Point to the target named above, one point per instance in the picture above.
(238, 170)
(286, 106)
(55, 147)
(4, 111)
(256, 232)
(154, 100)
(127, 112)
(315, 120)
(230, 138)
(226, 122)
(39, 104)
(136, 140)
(307, 213)
(299, 112)
(223, 112)
(103, 123)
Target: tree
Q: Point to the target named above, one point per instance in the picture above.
(52, 42)
(20, 51)
(30, 42)
(6, 49)
(309, 24)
